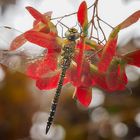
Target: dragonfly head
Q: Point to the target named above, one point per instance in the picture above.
(72, 34)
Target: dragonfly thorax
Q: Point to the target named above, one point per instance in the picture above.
(72, 34)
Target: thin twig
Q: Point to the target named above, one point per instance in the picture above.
(105, 23)
(98, 21)
(63, 24)
(92, 20)
(94, 23)
(93, 55)
(59, 21)
(96, 38)
(55, 18)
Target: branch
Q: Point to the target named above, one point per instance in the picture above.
(55, 18)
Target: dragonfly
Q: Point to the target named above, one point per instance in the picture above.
(57, 63)
(54, 61)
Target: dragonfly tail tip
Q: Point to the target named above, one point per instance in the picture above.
(47, 129)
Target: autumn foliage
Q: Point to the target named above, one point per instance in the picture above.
(108, 72)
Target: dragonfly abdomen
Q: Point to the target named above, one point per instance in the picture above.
(55, 100)
(65, 63)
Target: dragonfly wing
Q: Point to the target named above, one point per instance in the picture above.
(18, 42)
(18, 59)
(43, 69)
(11, 60)
(30, 59)
(7, 35)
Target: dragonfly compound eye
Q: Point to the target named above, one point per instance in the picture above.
(72, 34)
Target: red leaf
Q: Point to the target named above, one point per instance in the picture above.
(122, 79)
(42, 39)
(100, 80)
(133, 58)
(37, 15)
(51, 81)
(35, 23)
(111, 80)
(47, 15)
(82, 16)
(84, 95)
(45, 27)
(130, 20)
(71, 72)
(112, 75)
(116, 77)
(108, 52)
(48, 82)
(80, 57)
(85, 79)
(40, 68)
(18, 42)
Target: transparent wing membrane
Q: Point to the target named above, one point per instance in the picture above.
(20, 59)
(7, 34)
(27, 56)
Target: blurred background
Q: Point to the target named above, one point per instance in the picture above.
(24, 108)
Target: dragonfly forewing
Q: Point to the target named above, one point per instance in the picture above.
(28, 55)
(7, 35)
(19, 60)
